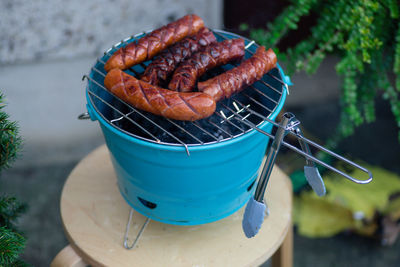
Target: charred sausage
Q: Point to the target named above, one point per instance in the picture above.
(163, 102)
(236, 79)
(185, 76)
(164, 65)
(151, 44)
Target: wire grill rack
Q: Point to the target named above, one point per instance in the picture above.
(255, 104)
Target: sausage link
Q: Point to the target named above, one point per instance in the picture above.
(163, 102)
(185, 76)
(164, 65)
(151, 44)
(236, 79)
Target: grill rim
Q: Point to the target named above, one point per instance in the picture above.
(95, 114)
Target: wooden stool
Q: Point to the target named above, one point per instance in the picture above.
(94, 216)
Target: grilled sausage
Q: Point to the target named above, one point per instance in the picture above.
(163, 102)
(185, 76)
(164, 65)
(236, 79)
(151, 44)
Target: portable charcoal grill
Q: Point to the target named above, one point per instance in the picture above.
(191, 173)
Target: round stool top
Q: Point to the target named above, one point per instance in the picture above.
(94, 215)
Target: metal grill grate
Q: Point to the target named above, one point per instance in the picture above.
(255, 105)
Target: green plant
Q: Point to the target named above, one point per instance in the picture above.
(365, 34)
(10, 141)
(12, 242)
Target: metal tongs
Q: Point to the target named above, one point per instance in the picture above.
(256, 207)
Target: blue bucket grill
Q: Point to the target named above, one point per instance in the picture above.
(187, 172)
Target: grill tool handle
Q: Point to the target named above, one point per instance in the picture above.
(271, 157)
(255, 210)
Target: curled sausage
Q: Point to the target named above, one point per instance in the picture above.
(164, 65)
(185, 76)
(151, 44)
(170, 104)
(236, 79)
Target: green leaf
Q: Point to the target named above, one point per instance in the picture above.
(365, 34)
(244, 27)
(394, 8)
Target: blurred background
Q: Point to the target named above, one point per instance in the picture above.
(47, 46)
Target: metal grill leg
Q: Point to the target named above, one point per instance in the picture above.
(128, 226)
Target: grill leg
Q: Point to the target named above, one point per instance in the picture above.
(128, 226)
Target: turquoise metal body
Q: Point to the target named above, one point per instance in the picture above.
(165, 184)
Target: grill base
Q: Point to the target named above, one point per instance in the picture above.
(166, 185)
(194, 212)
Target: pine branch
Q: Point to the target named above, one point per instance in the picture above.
(10, 210)
(10, 141)
(11, 245)
(12, 242)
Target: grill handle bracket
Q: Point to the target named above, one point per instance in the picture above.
(84, 116)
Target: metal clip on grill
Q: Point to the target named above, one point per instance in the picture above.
(244, 113)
